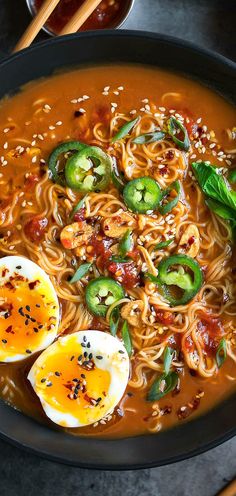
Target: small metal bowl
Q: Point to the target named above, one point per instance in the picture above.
(115, 25)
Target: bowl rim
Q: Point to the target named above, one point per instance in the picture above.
(17, 423)
(114, 25)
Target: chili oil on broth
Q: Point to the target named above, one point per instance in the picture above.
(85, 105)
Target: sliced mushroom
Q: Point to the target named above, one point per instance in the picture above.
(132, 312)
(190, 241)
(114, 227)
(76, 234)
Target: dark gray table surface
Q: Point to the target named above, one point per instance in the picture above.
(212, 24)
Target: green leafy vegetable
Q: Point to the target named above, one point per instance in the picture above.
(168, 355)
(126, 337)
(214, 185)
(81, 272)
(221, 353)
(232, 176)
(114, 320)
(125, 244)
(124, 130)
(220, 209)
(162, 386)
(149, 138)
(163, 244)
(177, 130)
(167, 206)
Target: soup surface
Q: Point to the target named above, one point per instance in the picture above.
(176, 316)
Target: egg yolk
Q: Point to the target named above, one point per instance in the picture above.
(27, 313)
(72, 383)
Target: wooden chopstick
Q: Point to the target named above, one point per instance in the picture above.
(80, 16)
(36, 24)
(229, 490)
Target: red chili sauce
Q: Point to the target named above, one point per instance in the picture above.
(105, 15)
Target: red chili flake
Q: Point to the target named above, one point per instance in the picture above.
(90, 400)
(169, 155)
(35, 228)
(33, 284)
(4, 272)
(9, 330)
(163, 171)
(31, 181)
(191, 240)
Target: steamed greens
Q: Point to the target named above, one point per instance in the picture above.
(220, 198)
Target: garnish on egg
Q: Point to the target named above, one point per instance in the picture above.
(81, 377)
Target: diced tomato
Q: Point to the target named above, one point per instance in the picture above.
(35, 228)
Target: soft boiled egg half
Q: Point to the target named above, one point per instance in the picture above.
(29, 309)
(81, 377)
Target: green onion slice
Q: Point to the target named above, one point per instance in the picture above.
(165, 208)
(81, 272)
(125, 244)
(163, 244)
(162, 386)
(124, 130)
(168, 355)
(221, 353)
(149, 138)
(126, 337)
(114, 320)
(175, 129)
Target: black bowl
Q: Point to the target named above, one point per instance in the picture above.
(217, 425)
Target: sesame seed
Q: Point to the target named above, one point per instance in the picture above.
(58, 123)
(51, 128)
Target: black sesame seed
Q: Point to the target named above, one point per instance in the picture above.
(75, 380)
(84, 339)
(33, 320)
(121, 351)
(27, 308)
(43, 380)
(49, 384)
(4, 341)
(57, 374)
(36, 329)
(90, 356)
(85, 354)
(28, 351)
(99, 357)
(37, 305)
(40, 326)
(88, 345)
(83, 376)
(80, 358)
(21, 311)
(27, 316)
(72, 358)
(18, 267)
(99, 399)
(83, 345)
(26, 322)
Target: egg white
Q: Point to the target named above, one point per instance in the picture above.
(115, 360)
(30, 271)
